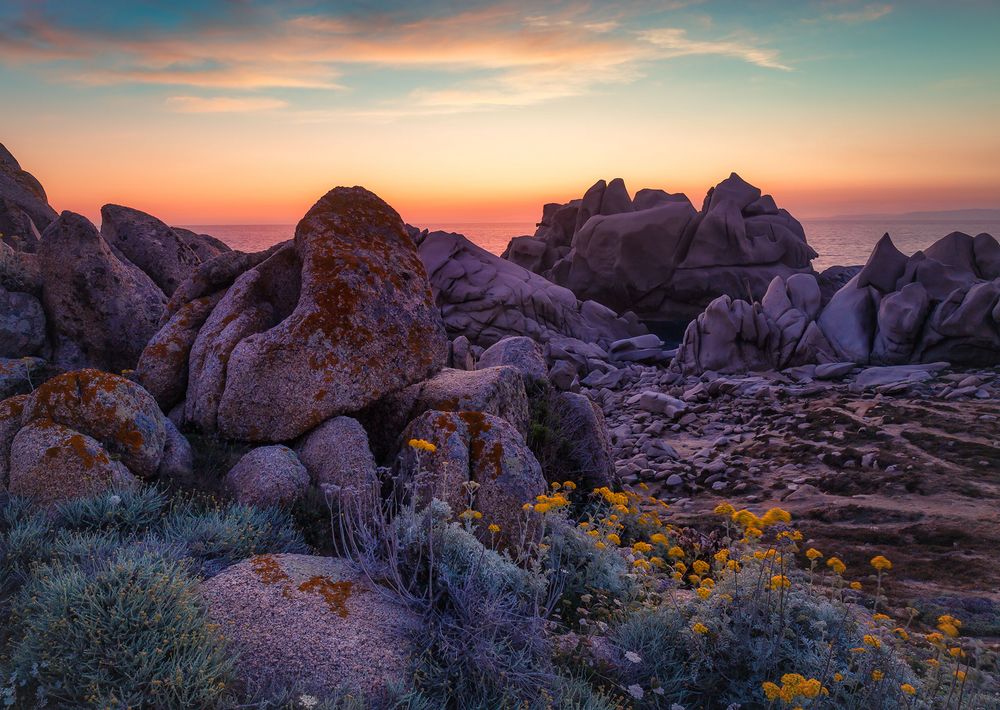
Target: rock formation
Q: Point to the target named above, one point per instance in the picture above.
(24, 208)
(298, 334)
(82, 432)
(942, 304)
(486, 298)
(656, 255)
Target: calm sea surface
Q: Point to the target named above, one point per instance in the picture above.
(843, 242)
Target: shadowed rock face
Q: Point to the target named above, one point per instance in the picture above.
(101, 310)
(939, 305)
(656, 255)
(149, 244)
(303, 332)
(24, 208)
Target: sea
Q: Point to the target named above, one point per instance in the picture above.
(839, 242)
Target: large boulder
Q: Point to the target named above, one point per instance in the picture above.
(498, 391)
(656, 255)
(51, 463)
(24, 208)
(19, 375)
(266, 476)
(311, 623)
(336, 453)
(486, 298)
(101, 310)
(477, 447)
(205, 246)
(116, 412)
(311, 329)
(576, 441)
(149, 244)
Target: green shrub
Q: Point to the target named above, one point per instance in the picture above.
(215, 537)
(132, 511)
(130, 632)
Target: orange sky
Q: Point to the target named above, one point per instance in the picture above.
(211, 117)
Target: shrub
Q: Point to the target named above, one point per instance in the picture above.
(130, 632)
(215, 537)
(132, 511)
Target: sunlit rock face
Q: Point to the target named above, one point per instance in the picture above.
(657, 255)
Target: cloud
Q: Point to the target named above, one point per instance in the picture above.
(675, 43)
(222, 104)
(869, 13)
(493, 55)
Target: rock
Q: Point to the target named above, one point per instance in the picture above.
(833, 370)
(19, 376)
(656, 255)
(661, 403)
(884, 267)
(674, 480)
(24, 207)
(149, 244)
(51, 463)
(579, 449)
(472, 446)
(833, 279)
(114, 411)
(101, 310)
(22, 324)
(362, 285)
(11, 409)
(521, 353)
(486, 298)
(205, 246)
(20, 271)
(312, 623)
(177, 462)
(880, 376)
(461, 357)
(336, 453)
(562, 375)
(496, 390)
(163, 365)
(268, 475)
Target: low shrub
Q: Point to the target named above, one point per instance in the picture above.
(130, 632)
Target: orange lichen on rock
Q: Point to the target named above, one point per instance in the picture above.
(269, 569)
(335, 594)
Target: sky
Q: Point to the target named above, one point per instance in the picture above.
(245, 112)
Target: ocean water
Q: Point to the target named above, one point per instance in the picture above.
(839, 242)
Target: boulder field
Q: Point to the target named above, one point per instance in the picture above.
(941, 304)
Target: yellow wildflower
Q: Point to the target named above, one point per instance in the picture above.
(836, 565)
(703, 592)
(813, 554)
(780, 581)
(771, 690)
(856, 586)
(881, 563)
(724, 509)
(675, 552)
(775, 516)
(908, 689)
(699, 628)
(613, 538)
(700, 566)
(494, 528)
(873, 641)
(877, 675)
(641, 547)
(422, 445)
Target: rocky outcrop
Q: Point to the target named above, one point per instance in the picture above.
(498, 391)
(299, 333)
(205, 246)
(84, 431)
(477, 447)
(101, 310)
(24, 208)
(268, 476)
(658, 256)
(311, 623)
(577, 442)
(149, 244)
(486, 298)
(942, 304)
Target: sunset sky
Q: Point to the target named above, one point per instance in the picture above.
(235, 111)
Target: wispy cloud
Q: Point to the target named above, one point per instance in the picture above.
(868, 13)
(515, 59)
(675, 42)
(223, 104)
